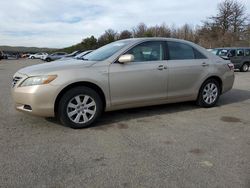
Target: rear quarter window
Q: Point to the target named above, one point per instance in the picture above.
(247, 52)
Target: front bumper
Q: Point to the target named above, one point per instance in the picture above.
(39, 99)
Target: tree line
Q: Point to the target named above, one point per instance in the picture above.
(229, 27)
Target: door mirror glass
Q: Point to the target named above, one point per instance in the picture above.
(127, 58)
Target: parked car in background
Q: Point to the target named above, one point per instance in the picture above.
(39, 55)
(123, 74)
(3, 55)
(25, 55)
(55, 56)
(71, 55)
(239, 56)
(11, 55)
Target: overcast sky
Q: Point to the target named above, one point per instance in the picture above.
(60, 23)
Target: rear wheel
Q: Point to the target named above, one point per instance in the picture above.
(244, 67)
(80, 107)
(48, 59)
(209, 93)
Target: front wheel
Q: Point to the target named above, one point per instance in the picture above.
(209, 93)
(244, 67)
(80, 107)
(48, 59)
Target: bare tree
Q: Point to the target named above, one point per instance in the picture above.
(159, 31)
(224, 16)
(109, 36)
(125, 34)
(238, 19)
(139, 30)
(227, 27)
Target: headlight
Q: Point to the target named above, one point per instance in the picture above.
(38, 80)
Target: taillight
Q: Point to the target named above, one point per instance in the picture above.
(231, 66)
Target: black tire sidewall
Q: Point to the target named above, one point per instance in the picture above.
(200, 100)
(62, 108)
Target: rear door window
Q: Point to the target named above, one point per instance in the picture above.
(181, 51)
(199, 55)
(247, 52)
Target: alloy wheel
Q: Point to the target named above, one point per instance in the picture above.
(81, 109)
(245, 67)
(210, 93)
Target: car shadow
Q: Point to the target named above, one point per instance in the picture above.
(233, 96)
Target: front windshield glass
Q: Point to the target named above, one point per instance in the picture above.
(81, 55)
(223, 52)
(214, 51)
(106, 51)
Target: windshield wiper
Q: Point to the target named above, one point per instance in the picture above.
(81, 58)
(84, 59)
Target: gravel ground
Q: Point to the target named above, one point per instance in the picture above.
(176, 145)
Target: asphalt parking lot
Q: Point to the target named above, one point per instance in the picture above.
(175, 145)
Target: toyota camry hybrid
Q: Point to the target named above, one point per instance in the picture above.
(123, 74)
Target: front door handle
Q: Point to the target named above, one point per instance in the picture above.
(161, 67)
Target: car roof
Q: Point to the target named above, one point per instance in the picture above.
(230, 48)
(154, 39)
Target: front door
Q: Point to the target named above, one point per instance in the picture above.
(143, 80)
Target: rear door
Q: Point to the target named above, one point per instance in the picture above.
(247, 55)
(187, 66)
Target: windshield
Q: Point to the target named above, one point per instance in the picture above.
(214, 51)
(81, 55)
(73, 53)
(106, 51)
(222, 52)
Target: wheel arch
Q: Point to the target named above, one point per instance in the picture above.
(217, 78)
(77, 84)
(246, 62)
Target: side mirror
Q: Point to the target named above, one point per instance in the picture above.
(127, 58)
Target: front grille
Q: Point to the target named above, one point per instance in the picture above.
(15, 80)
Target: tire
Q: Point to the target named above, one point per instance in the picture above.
(32, 57)
(209, 93)
(244, 67)
(80, 107)
(48, 59)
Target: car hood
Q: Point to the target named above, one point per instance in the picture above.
(46, 68)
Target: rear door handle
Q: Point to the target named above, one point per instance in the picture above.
(205, 64)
